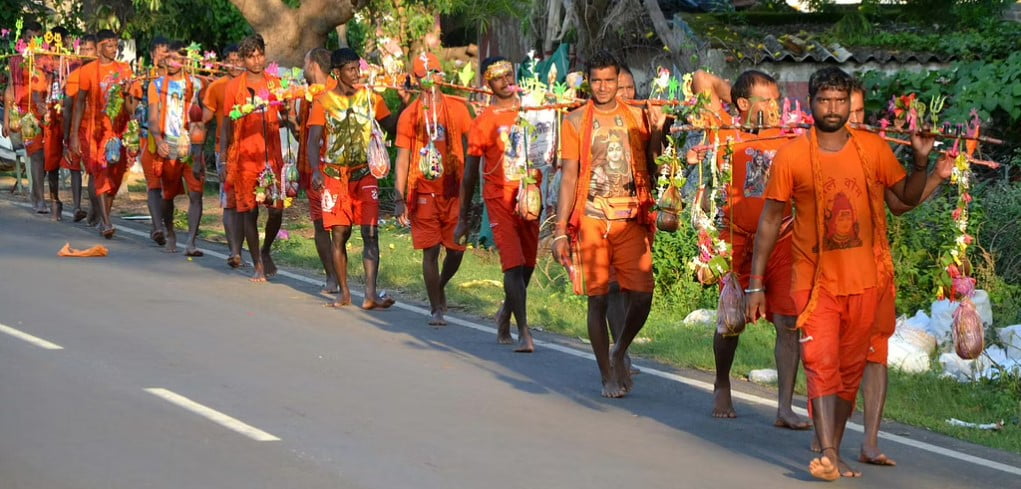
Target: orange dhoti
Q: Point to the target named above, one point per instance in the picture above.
(315, 197)
(53, 140)
(171, 176)
(355, 202)
(835, 341)
(623, 246)
(246, 179)
(109, 176)
(152, 167)
(516, 239)
(884, 325)
(433, 221)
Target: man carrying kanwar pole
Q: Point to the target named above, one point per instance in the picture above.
(74, 164)
(604, 218)
(178, 142)
(151, 163)
(212, 107)
(340, 129)
(836, 179)
(254, 157)
(28, 92)
(53, 125)
(431, 141)
(756, 95)
(497, 140)
(317, 73)
(874, 379)
(103, 107)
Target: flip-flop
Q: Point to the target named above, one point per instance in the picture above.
(881, 460)
(108, 232)
(79, 215)
(805, 426)
(195, 253)
(158, 236)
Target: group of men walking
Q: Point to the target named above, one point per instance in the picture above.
(805, 214)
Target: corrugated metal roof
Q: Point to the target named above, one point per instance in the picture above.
(790, 48)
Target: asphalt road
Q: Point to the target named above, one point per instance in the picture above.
(146, 370)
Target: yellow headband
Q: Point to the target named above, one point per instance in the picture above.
(498, 69)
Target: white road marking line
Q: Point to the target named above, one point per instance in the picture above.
(212, 414)
(698, 384)
(21, 335)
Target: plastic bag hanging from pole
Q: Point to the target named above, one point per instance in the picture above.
(969, 335)
(379, 159)
(730, 314)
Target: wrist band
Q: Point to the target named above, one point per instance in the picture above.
(754, 291)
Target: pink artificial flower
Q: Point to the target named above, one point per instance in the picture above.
(967, 198)
(210, 55)
(5, 32)
(956, 215)
(953, 271)
(283, 234)
(968, 239)
(273, 69)
(362, 64)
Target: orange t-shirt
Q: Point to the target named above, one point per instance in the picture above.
(489, 137)
(750, 167)
(847, 258)
(610, 152)
(97, 80)
(73, 82)
(212, 99)
(256, 135)
(304, 109)
(452, 118)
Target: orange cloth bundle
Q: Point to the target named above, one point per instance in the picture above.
(98, 250)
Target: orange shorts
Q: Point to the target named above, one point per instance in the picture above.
(885, 324)
(356, 205)
(315, 197)
(227, 200)
(835, 342)
(623, 247)
(152, 167)
(53, 140)
(245, 180)
(173, 172)
(433, 221)
(779, 273)
(516, 239)
(109, 179)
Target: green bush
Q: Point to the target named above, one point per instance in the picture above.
(676, 286)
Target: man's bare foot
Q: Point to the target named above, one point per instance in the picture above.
(193, 252)
(503, 317)
(612, 389)
(171, 246)
(619, 377)
(437, 318)
(525, 343)
(234, 261)
(815, 445)
(57, 210)
(107, 232)
(846, 470)
(875, 457)
(267, 262)
(259, 276)
(723, 405)
(384, 301)
(792, 421)
(823, 469)
(91, 219)
(79, 215)
(158, 236)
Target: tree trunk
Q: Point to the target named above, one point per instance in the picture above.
(291, 32)
(678, 43)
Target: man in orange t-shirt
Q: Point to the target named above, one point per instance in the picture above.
(87, 50)
(496, 137)
(104, 106)
(874, 379)
(212, 107)
(178, 141)
(252, 147)
(317, 74)
(756, 96)
(433, 129)
(339, 131)
(28, 91)
(604, 220)
(836, 180)
(53, 124)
